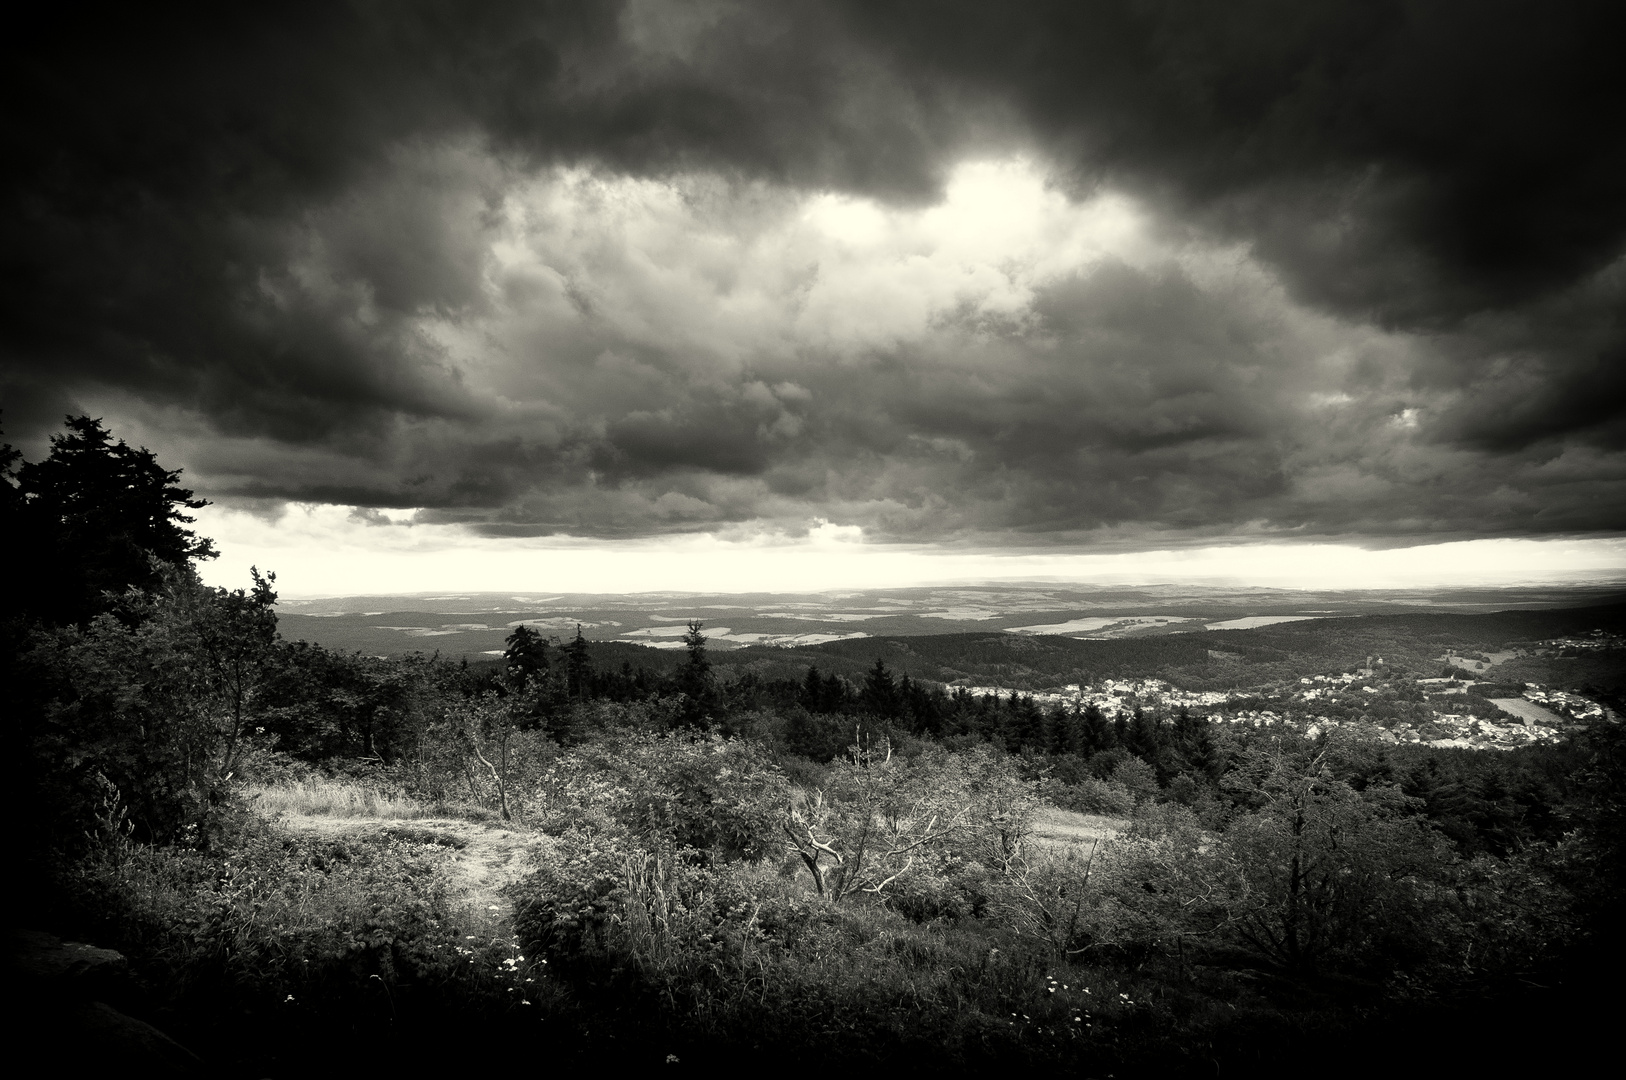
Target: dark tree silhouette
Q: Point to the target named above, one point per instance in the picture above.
(578, 667)
(695, 678)
(526, 656)
(880, 692)
(95, 515)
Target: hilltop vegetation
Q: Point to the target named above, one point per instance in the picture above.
(833, 861)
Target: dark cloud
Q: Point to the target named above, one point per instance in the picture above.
(1461, 144)
(277, 223)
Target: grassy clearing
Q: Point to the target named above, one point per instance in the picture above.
(1056, 825)
(318, 795)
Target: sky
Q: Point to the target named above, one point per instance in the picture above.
(427, 295)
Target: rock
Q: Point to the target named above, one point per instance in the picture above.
(67, 967)
(101, 1036)
(61, 1018)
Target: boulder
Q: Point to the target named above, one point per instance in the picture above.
(53, 966)
(61, 1016)
(102, 1037)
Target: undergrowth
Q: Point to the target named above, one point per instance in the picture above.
(274, 944)
(344, 797)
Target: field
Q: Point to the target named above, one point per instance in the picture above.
(1527, 711)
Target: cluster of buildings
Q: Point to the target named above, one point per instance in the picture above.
(1546, 718)
(1573, 706)
(1114, 696)
(1474, 733)
(1598, 639)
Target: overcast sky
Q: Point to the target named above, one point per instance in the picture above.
(1045, 285)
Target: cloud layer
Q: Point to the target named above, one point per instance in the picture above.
(1022, 275)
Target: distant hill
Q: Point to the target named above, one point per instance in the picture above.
(1218, 659)
(475, 625)
(1198, 660)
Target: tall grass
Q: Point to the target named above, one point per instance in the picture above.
(336, 798)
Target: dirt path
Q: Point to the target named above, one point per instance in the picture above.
(485, 857)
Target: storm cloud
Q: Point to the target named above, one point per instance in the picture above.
(1029, 274)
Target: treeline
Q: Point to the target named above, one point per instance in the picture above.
(321, 708)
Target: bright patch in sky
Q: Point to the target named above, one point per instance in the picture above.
(323, 550)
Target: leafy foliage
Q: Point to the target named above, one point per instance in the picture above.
(163, 701)
(1321, 874)
(714, 797)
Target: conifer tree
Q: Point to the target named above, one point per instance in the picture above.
(526, 656)
(578, 667)
(880, 692)
(695, 679)
(97, 517)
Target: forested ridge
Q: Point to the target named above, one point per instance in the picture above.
(828, 853)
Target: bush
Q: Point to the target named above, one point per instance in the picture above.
(1322, 877)
(158, 700)
(1093, 797)
(713, 796)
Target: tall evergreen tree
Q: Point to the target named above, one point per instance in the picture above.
(94, 516)
(695, 678)
(1194, 747)
(526, 656)
(1143, 737)
(578, 666)
(1023, 725)
(1061, 734)
(812, 697)
(880, 693)
(1098, 732)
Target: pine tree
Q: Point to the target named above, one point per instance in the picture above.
(1061, 735)
(526, 656)
(578, 666)
(812, 696)
(95, 515)
(1024, 724)
(880, 692)
(1143, 738)
(695, 679)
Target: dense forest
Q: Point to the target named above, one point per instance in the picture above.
(732, 858)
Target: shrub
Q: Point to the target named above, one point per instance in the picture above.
(704, 793)
(1093, 796)
(1324, 877)
(159, 700)
(1136, 777)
